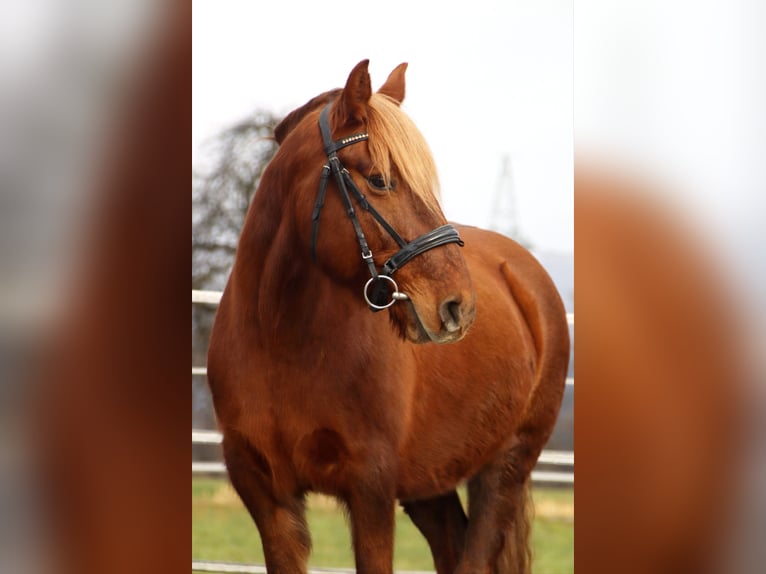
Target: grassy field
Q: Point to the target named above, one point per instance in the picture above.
(222, 530)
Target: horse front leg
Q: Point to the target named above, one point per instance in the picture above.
(281, 520)
(371, 512)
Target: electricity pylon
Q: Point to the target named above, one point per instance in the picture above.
(504, 216)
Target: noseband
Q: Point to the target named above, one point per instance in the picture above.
(379, 280)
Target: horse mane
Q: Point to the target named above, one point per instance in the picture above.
(394, 139)
(294, 118)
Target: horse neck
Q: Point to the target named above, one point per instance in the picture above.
(288, 305)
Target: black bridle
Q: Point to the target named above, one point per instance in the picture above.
(379, 280)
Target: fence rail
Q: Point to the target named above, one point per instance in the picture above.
(538, 476)
(206, 297)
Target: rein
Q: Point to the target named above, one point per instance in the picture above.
(380, 280)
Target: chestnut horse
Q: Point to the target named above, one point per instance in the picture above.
(314, 392)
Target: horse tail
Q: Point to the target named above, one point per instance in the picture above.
(544, 313)
(516, 554)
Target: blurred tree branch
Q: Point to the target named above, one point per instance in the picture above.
(221, 194)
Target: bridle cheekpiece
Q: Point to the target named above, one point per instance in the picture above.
(380, 280)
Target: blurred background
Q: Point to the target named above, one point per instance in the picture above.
(93, 238)
(662, 104)
(670, 135)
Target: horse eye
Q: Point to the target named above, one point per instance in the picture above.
(379, 183)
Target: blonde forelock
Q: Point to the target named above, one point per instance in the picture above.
(394, 140)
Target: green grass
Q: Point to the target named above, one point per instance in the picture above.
(222, 530)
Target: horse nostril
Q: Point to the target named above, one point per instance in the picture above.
(450, 313)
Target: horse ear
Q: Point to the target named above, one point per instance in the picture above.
(356, 94)
(394, 86)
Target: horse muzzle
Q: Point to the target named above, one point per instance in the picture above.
(454, 316)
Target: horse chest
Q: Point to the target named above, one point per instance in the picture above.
(325, 430)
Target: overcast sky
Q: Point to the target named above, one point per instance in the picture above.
(482, 82)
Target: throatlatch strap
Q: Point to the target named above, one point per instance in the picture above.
(318, 210)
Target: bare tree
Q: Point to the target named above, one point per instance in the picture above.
(221, 195)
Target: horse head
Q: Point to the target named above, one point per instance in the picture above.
(364, 196)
